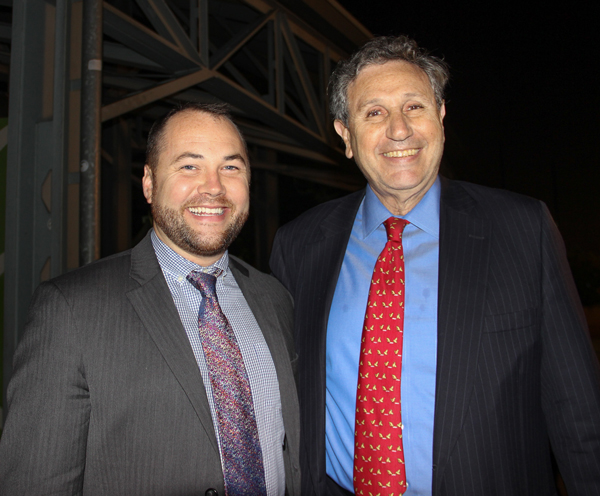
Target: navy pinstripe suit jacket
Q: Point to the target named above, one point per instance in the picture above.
(515, 368)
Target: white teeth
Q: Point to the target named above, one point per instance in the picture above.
(402, 153)
(206, 210)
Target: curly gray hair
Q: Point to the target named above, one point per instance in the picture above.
(379, 51)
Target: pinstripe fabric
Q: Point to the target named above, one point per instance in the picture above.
(106, 396)
(323, 239)
(515, 365)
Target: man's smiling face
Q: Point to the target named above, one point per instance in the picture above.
(199, 190)
(395, 132)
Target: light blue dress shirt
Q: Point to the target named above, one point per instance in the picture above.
(421, 257)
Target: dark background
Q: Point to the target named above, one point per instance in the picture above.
(522, 106)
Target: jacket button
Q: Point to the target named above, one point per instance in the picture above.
(211, 492)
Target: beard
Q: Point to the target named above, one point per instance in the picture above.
(173, 225)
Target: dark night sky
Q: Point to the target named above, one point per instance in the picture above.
(524, 99)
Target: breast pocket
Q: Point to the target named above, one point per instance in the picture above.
(511, 321)
(510, 354)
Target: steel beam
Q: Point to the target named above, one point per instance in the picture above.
(145, 41)
(308, 91)
(155, 93)
(91, 102)
(231, 92)
(166, 24)
(230, 48)
(36, 179)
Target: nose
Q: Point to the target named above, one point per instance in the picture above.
(211, 183)
(399, 127)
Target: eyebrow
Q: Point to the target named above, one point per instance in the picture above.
(235, 156)
(377, 100)
(198, 156)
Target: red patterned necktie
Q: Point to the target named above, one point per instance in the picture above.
(378, 453)
(241, 453)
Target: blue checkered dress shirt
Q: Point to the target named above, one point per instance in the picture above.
(254, 349)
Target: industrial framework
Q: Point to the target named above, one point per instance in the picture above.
(87, 79)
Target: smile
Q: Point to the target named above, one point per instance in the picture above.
(206, 210)
(402, 153)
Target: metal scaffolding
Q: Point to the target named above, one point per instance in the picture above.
(87, 79)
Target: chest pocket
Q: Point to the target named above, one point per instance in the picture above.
(511, 321)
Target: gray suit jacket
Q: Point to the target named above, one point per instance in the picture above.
(515, 369)
(106, 396)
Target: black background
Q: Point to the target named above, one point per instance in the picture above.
(523, 104)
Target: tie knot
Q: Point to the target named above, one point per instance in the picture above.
(394, 227)
(204, 282)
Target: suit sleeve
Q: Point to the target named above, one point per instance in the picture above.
(42, 450)
(569, 373)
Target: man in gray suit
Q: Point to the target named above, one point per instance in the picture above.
(496, 363)
(120, 386)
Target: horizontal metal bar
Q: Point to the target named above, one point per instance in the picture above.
(299, 151)
(255, 106)
(334, 178)
(153, 94)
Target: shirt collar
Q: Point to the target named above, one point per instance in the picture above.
(178, 266)
(425, 215)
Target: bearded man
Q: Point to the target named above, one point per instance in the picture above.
(166, 369)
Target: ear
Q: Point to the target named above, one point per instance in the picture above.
(147, 183)
(442, 115)
(344, 133)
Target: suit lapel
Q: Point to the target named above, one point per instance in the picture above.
(269, 320)
(154, 305)
(273, 324)
(325, 257)
(464, 254)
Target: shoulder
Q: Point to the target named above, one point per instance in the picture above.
(495, 196)
(247, 270)
(115, 274)
(104, 274)
(101, 284)
(329, 214)
(496, 205)
(266, 283)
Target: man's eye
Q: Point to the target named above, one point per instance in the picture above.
(415, 106)
(188, 167)
(231, 167)
(373, 113)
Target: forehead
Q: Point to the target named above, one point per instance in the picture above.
(201, 130)
(393, 79)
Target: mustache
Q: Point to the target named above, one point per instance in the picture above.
(208, 200)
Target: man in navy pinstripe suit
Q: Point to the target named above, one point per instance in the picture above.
(497, 370)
